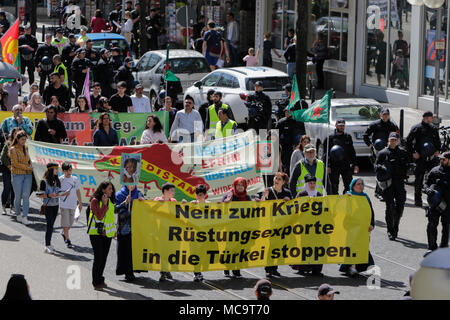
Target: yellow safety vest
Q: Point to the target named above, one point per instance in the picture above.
(66, 79)
(320, 170)
(214, 118)
(108, 221)
(60, 44)
(82, 41)
(227, 129)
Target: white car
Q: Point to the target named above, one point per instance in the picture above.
(236, 84)
(357, 113)
(188, 65)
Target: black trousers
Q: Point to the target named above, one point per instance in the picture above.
(347, 176)
(395, 197)
(51, 212)
(101, 245)
(320, 74)
(44, 76)
(29, 65)
(432, 232)
(8, 191)
(124, 255)
(422, 167)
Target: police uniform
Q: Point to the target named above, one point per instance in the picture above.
(49, 51)
(116, 61)
(290, 133)
(78, 65)
(212, 115)
(60, 43)
(124, 74)
(68, 59)
(259, 110)
(105, 76)
(27, 56)
(395, 162)
(342, 168)
(439, 180)
(419, 135)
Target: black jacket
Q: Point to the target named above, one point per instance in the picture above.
(289, 54)
(288, 129)
(62, 93)
(104, 73)
(421, 133)
(65, 55)
(125, 74)
(263, 103)
(27, 40)
(43, 135)
(439, 176)
(116, 62)
(78, 65)
(345, 141)
(45, 50)
(379, 130)
(396, 160)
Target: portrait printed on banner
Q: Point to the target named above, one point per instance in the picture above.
(130, 168)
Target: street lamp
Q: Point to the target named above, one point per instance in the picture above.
(434, 4)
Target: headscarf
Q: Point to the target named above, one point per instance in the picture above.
(17, 289)
(34, 107)
(352, 184)
(242, 196)
(311, 193)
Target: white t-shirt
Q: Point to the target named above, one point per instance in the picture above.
(251, 60)
(141, 104)
(72, 184)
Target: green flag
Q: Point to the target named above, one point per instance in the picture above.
(170, 76)
(295, 93)
(318, 112)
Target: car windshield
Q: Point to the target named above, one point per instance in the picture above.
(356, 113)
(110, 43)
(269, 83)
(189, 65)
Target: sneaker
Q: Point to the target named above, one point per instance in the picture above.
(351, 271)
(237, 274)
(98, 288)
(130, 278)
(169, 276)
(19, 218)
(427, 253)
(226, 273)
(4, 211)
(276, 273)
(25, 221)
(163, 276)
(198, 277)
(69, 244)
(49, 250)
(13, 210)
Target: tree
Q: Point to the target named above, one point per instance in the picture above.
(301, 47)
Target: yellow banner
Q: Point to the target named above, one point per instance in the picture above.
(33, 116)
(171, 236)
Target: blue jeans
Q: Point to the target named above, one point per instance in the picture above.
(290, 69)
(22, 188)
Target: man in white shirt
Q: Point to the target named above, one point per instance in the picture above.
(187, 124)
(68, 204)
(232, 38)
(140, 102)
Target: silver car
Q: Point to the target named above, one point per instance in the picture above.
(188, 65)
(357, 113)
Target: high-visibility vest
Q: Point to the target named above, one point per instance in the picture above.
(227, 129)
(214, 118)
(82, 41)
(108, 221)
(320, 170)
(66, 79)
(60, 44)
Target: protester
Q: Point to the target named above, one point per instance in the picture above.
(141, 103)
(13, 88)
(55, 102)
(3, 97)
(125, 75)
(50, 129)
(277, 192)
(105, 135)
(298, 154)
(212, 45)
(79, 70)
(51, 188)
(103, 105)
(153, 131)
(357, 189)
(268, 48)
(55, 88)
(168, 194)
(17, 289)
(105, 73)
(98, 23)
(35, 104)
(5, 166)
(21, 171)
(95, 96)
(68, 204)
(123, 206)
(34, 87)
(121, 101)
(251, 60)
(263, 290)
(81, 106)
(128, 28)
(17, 120)
(101, 229)
(326, 292)
(187, 122)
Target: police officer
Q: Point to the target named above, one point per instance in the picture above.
(437, 187)
(79, 68)
(116, 59)
(204, 108)
(136, 17)
(379, 130)
(153, 28)
(342, 158)
(259, 108)
(92, 55)
(28, 45)
(68, 54)
(290, 133)
(115, 16)
(61, 69)
(105, 73)
(212, 116)
(392, 163)
(225, 127)
(124, 74)
(423, 144)
(60, 41)
(42, 66)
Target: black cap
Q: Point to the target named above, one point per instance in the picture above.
(393, 135)
(80, 50)
(309, 178)
(340, 121)
(139, 86)
(385, 111)
(103, 51)
(59, 30)
(71, 36)
(427, 114)
(128, 59)
(445, 155)
(217, 92)
(324, 289)
(259, 83)
(118, 4)
(288, 87)
(117, 49)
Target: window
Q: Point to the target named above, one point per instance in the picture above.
(228, 81)
(356, 113)
(212, 79)
(283, 16)
(143, 62)
(269, 84)
(153, 61)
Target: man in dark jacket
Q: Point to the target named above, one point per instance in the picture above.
(92, 55)
(27, 46)
(105, 73)
(51, 129)
(45, 53)
(260, 109)
(290, 132)
(421, 140)
(79, 68)
(115, 16)
(124, 74)
(116, 59)
(55, 88)
(345, 163)
(68, 55)
(290, 56)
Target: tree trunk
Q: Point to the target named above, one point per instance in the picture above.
(32, 14)
(301, 46)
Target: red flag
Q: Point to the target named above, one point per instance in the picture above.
(10, 44)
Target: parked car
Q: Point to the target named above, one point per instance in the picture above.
(108, 40)
(236, 84)
(188, 65)
(357, 113)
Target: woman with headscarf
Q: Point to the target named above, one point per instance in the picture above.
(238, 193)
(35, 103)
(357, 189)
(310, 191)
(17, 289)
(123, 206)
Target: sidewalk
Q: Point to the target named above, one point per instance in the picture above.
(50, 277)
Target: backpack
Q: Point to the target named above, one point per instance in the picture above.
(214, 38)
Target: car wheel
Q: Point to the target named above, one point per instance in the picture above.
(153, 99)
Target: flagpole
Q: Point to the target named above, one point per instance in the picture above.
(328, 144)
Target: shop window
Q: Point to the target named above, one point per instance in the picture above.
(283, 20)
(388, 34)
